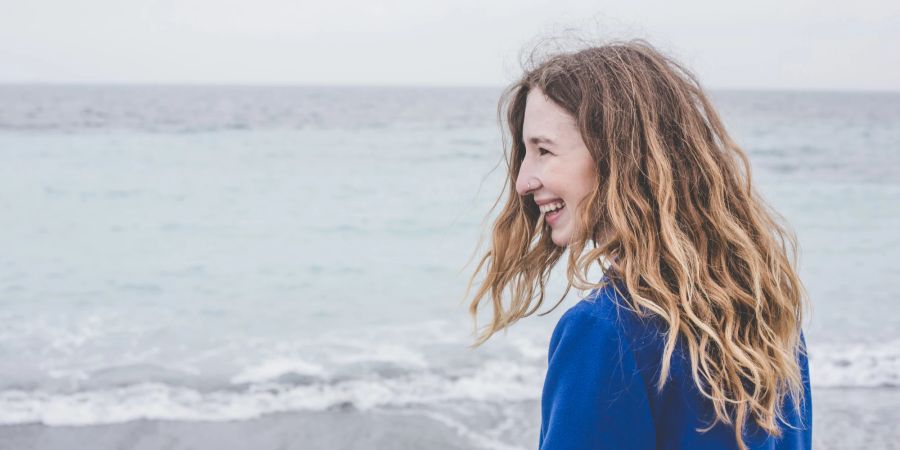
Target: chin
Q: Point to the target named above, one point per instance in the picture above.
(560, 239)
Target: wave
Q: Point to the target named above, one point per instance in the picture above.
(855, 365)
(493, 381)
(396, 378)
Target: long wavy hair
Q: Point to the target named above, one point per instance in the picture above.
(674, 218)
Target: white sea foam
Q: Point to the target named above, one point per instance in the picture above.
(494, 381)
(870, 365)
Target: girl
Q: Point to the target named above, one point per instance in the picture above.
(692, 338)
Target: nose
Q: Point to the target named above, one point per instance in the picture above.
(527, 182)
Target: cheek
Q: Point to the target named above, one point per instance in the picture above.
(587, 179)
(556, 179)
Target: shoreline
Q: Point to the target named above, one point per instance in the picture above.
(842, 418)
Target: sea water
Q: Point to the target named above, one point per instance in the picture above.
(219, 253)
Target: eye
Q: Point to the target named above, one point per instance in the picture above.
(543, 151)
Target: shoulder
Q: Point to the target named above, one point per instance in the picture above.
(601, 324)
(603, 328)
(604, 313)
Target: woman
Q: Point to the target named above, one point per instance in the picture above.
(692, 339)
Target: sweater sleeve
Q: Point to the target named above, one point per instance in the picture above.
(593, 396)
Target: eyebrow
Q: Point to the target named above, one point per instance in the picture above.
(541, 140)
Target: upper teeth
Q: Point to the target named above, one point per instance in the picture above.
(552, 206)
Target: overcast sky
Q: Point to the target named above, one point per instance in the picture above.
(807, 44)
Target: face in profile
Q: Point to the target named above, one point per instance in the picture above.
(558, 170)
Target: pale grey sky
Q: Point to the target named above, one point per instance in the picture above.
(787, 44)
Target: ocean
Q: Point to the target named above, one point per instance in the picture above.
(201, 266)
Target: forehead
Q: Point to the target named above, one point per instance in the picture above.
(545, 118)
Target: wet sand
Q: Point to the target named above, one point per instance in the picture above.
(289, 431)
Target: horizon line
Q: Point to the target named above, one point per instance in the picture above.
(401, 85)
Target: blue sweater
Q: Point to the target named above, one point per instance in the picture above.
(600, 389)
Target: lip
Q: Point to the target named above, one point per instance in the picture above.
(543, 202)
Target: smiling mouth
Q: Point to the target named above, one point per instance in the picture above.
(552, 211)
